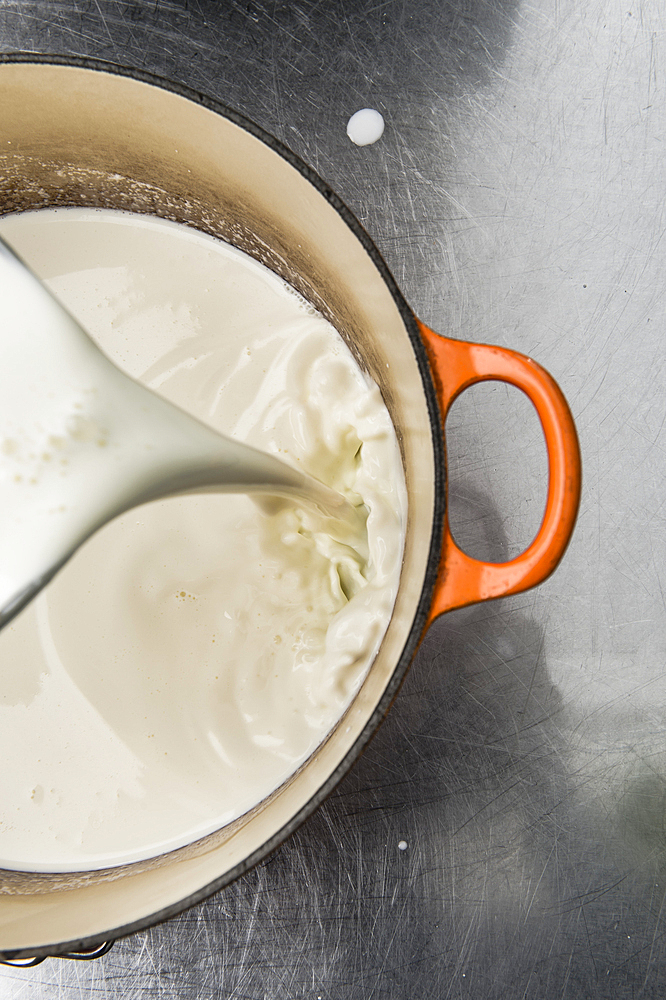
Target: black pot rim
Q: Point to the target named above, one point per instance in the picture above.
(432, 566)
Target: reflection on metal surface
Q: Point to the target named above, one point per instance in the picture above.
(76, 956)
(518, 198)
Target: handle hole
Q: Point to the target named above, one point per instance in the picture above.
(498, 471)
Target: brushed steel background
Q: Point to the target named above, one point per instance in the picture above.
(518, 196)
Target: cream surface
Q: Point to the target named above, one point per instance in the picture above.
(196, 650)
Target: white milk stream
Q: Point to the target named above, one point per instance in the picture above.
(196, 650)
(82, 442)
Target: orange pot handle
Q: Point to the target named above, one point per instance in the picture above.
(462, 580)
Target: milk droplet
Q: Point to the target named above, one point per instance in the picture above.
(402, 845)
(365, 127)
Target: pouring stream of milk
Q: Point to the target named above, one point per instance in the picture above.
(81, 442)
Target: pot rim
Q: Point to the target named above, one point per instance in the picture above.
(420, 620)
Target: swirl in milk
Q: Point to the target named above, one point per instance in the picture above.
(196, 651)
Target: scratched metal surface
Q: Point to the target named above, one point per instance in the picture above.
(518, 196)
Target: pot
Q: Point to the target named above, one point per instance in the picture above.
(78, 133)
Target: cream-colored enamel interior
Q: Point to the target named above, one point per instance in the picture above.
(71, 136)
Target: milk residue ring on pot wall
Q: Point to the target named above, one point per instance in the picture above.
(197, 650)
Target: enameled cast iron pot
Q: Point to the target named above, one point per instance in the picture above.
(79, 133)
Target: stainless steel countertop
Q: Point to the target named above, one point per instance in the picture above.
(518, 196)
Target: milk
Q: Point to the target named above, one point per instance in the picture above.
(197, 650)
(81, 442)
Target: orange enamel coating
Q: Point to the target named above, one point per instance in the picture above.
(455, 366)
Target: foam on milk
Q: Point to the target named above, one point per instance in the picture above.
(196, 651)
